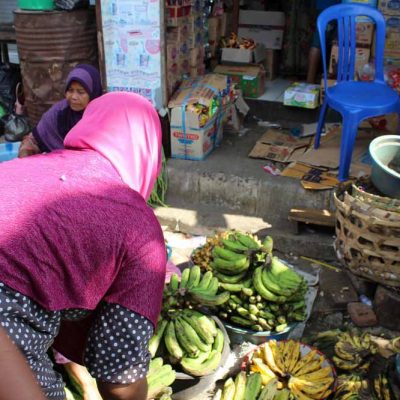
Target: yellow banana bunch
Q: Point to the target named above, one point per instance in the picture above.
(301, 376)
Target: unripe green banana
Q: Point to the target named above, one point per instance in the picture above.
(201, 330)
(174, 283)
(218, 344)
(220, 252)
(267, 244)
(212, 288)
(228, 391)
(247, 241)
(262, 290)
(273, 285)
(205, 280)
(240, 385)
(230, 278)
(184, 278)
(194, 368)
(155, 340)
(191, 349)
(171, 341)
(253, 386)
(234, 245)
(194, 277)
(192, 335)
(159, 383)
(206, 323)
(253, 309)
(206, 299)
(241, 321)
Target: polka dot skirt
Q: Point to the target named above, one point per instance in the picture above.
(117, 348)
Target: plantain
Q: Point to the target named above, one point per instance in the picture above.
(155, 340)
(253, 386)
(228, 391)
(184, 278)
(191, 366)
(205, 280)
(220, 252)
(247, 241)
(240, 385)
(171, 341)
(230, 278)
(234, 245)
(218, 344)
(194, 277)
(187, 345)
(206, 299)
(193, 336)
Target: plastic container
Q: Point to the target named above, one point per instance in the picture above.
(383, 149)
(36, 4)
(8, 151)
(239, 335)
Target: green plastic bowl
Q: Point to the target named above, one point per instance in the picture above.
(36, 4)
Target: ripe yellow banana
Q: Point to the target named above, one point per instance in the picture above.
(269, 358)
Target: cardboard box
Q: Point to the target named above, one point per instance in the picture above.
(330, 82)
(172, 52)
(364, 33)
(176, 15)
(302, 95)
(392, 40)
(389, 7)
(261, 18)
(362, 58)
(250, 78)
(243, 56)
(189, 139)
(271, 38)
(214, 29)
(277, 145)
(193, 142)
(271, 64)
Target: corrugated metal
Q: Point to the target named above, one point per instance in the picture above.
(50, 44)
(6, 11)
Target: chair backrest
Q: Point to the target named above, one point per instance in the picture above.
(346, 17)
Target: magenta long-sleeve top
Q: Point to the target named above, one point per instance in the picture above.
(73, 234)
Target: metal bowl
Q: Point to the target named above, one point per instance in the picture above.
(383, 149)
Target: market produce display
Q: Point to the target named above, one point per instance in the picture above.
(265, 294)
(191, 338)
(363, 372)
(159, 378)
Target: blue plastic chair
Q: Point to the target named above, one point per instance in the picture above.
(354, 100)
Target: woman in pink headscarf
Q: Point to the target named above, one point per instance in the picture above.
(82, 256)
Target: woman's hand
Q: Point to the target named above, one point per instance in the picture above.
(133, 391)
(28, 147)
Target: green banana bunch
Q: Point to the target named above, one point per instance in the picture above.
(159, 378)
(199, 367)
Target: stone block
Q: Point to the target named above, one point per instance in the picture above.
(361, 314)
(387, 307)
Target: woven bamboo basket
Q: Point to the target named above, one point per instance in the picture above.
(368, 235)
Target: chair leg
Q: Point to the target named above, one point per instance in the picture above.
(321, 122)
(349, 133)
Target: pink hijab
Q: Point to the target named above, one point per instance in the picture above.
(124, 128)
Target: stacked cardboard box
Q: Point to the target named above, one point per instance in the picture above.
(185, 41)
(391, 11)
(197, 115)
